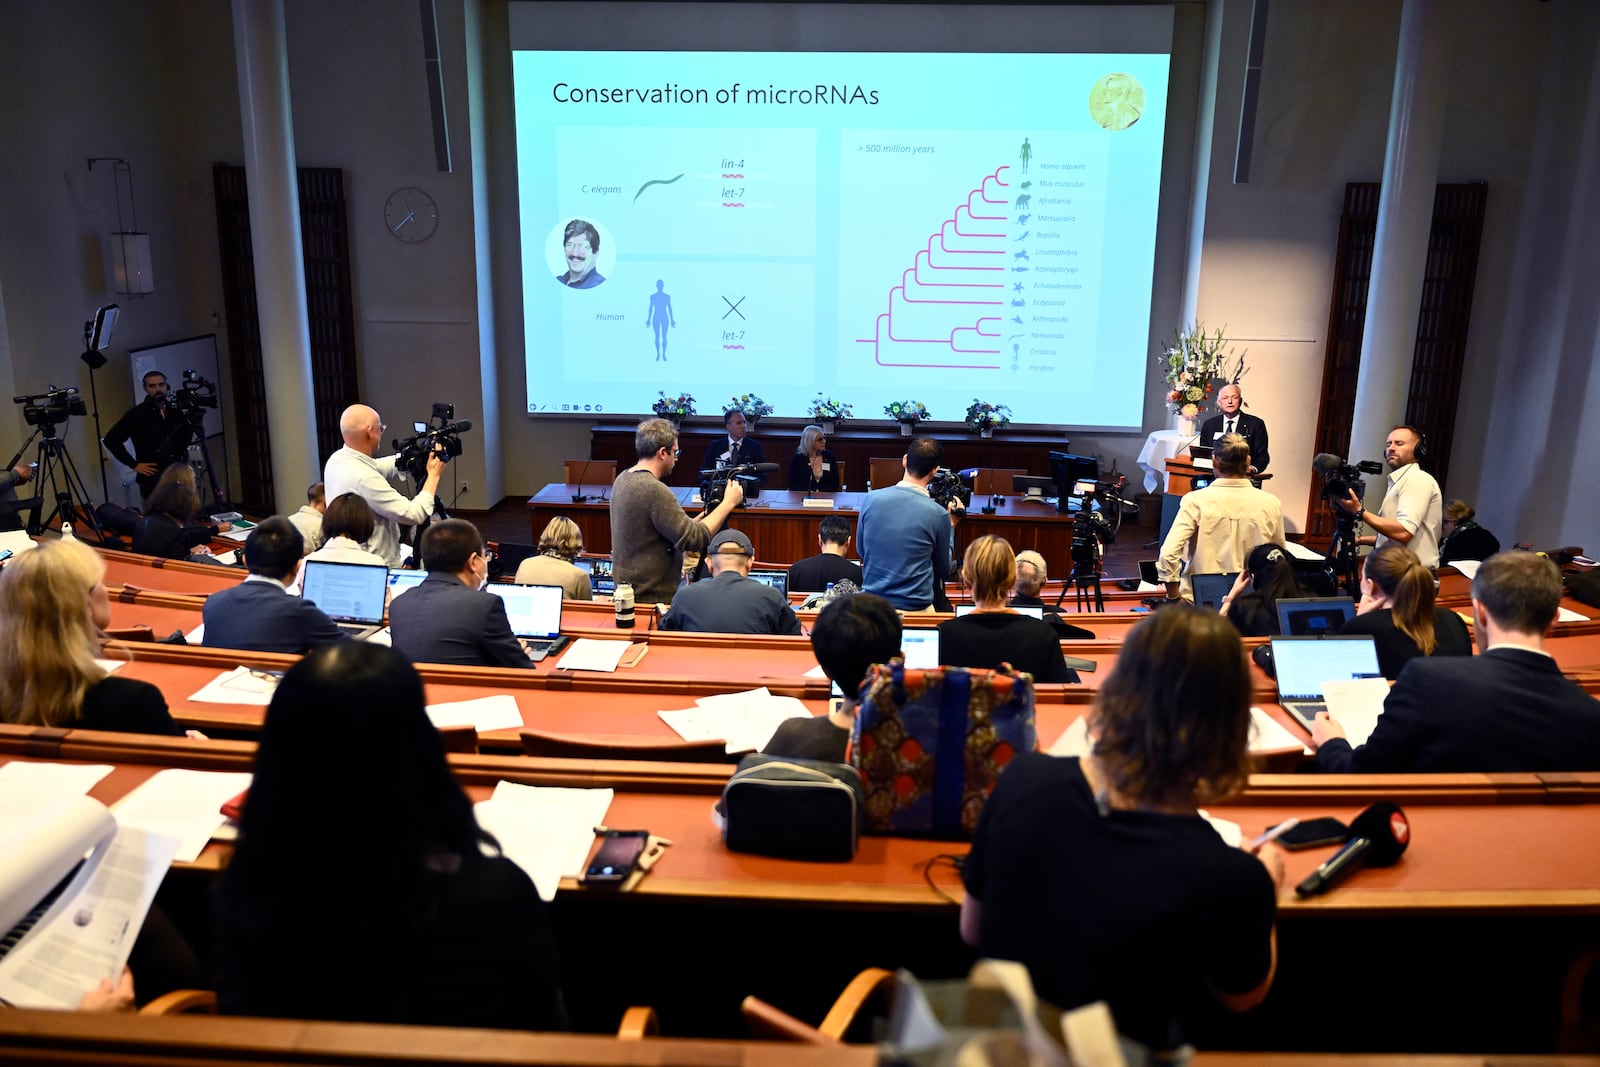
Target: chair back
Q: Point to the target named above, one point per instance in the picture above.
(565, 746)
(590, 471)
(885, 471)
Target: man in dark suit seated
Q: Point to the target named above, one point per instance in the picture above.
(1508, 709)
(737, 448)
(260, 614)
(731, 602)
(448, 618)
(815, 573)
(1232, 420)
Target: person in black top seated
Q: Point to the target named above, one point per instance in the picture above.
(1463, 537)
(850, 635)
(359, 890)
(815, 573)
(168, 528)
(812, 468)
(53, 613)
(992, 633)
(1252, 604)
(1099, 873)
(1397, 610)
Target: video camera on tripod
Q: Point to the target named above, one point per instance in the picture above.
(714, 483)
(193, 396)
(51, 408)
(440, 434)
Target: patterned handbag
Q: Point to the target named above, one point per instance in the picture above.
(930, 744)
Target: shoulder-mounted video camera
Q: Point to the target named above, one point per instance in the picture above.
(946, 485)
(714, 483)
(439, 434)
(1340, 479)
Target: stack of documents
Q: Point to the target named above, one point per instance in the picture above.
(545, 831)
(746, 721)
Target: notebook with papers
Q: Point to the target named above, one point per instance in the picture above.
(353, 595)
(920, 647)
(1314, 616)
(534, 612)
(1304, 664)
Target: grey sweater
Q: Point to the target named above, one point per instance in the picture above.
(650, 532)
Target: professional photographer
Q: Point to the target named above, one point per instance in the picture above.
(1412, 512)
(904, 533)
(353, 469)
(159, 432)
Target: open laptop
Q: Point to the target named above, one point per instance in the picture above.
(1305, 663)
(535, 615)
(778, 580)
(920, 647)
(351, 594)
(599, 570)
(401, 581)
(1209, 589)
(1314, 616)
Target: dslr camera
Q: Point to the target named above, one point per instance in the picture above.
(439, 434)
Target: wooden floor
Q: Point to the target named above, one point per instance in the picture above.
(508, 521)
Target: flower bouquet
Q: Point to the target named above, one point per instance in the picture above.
(907, 413)
(673, 408)
(1191, 364)
(984, 416)
(751, 405)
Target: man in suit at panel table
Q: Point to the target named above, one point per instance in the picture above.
(260, 614)
(1508, 709)
(448, 618)
(737, 449)
(730, 601)
(1232, 420)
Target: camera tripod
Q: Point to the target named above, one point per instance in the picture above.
(57, 471)
(1342, 551)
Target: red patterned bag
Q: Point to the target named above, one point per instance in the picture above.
(930, 744)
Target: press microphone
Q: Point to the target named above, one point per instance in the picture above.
(1377, 838)
(761, 468)
(1326, 463)
(455, 427)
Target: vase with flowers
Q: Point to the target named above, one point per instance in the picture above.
(673, 408)
(984, 416)
(829, 413)
(907, 413)
(1191, 365)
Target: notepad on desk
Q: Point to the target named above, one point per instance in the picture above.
(592, 654)
(547, 831)
(499, 712)
(744, 721)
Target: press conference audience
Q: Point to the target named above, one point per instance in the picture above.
(407, 920)
(54, 609)
(850, 635)
(1397, 610)
(448, 618)
(812, 468)
(815, 573)
(168, 528)
(1252, 604)
(260, 614)
(730, 601)
(1506, 709)
(347, 526)
(308, 520)
(1463, 537)
(559, 545)
(993, 633)
(1099, 874)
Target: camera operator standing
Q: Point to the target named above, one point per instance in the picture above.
(353, 469)
(1412, 512)
(159, 433)
(905, 535)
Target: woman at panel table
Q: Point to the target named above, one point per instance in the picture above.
(1099, 873)
(1397, 610)
(994, 633)
(53, 613)
(813, 468)
(559, 544)
(359, 889)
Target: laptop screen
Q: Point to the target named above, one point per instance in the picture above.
(921, 647)
(599, 569)
(1316, 616)
(1209, 589)
(968, 609)
(400, 581)
(534, 610)
(779, 580)
(511, 554)
(1304, 663)
(347, 592)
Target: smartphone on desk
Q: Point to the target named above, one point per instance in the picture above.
(1313, 833)
(618, 856)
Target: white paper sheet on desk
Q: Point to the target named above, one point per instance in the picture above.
(592, 654)
(236, 535)
(17, 541)
(1355, 704)
(227, 559)
(197, 635)
(1469, 567)
(1568, 615)
(499, 712)
(546, 831)
(745, 721)
(27, 789)
(1150, 587)
(1269, 735)
(110, 666)
(1230, 832)
(1299, 551)
(183, 804)
(238, 686)
(1202, 462)
(1074, 740)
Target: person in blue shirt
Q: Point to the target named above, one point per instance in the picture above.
(904, 536)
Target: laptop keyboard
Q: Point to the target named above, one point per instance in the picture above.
(1306, 713)
(538, 648)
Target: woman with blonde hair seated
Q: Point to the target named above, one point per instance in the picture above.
(812, 468)
(1397, 609)
(54, 609)
(993, 633)
(559, 545)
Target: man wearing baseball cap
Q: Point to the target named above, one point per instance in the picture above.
(730, 601)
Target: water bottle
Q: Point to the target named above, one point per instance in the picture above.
(66, 531)
(622, 600)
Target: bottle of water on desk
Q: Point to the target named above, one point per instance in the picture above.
(622, 600)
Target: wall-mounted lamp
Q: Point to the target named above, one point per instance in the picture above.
(130, 249)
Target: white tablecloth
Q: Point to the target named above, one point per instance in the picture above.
(1159, 447)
